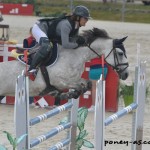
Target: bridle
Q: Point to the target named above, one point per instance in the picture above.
(117, 65)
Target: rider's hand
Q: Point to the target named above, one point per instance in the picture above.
(80, 41)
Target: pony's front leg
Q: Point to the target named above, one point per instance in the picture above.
(82, 86)
(85, 86)
(80, 89)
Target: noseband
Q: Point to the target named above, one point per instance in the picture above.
(117, 65)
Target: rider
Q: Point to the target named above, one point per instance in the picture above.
(61, 31)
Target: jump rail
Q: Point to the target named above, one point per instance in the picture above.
(22, 121)
(137, 105)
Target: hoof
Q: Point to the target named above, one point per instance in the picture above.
(75, 94)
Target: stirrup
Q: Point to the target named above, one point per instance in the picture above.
(32, 74)
(32, 71)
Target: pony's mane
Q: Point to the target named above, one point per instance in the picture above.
(92, 35)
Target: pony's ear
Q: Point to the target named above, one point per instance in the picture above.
(119, 41)
(123, 39)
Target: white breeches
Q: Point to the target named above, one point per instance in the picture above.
(37, 33)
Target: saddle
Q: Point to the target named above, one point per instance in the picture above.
(18, 53)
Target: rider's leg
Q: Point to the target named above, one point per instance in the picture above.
(49, 87)
(41, 54)
(45, 75)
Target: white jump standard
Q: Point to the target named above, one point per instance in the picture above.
(137, 105)
(22, 121)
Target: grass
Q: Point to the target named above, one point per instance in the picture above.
(99, 11)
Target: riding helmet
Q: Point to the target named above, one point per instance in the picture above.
(81, 11)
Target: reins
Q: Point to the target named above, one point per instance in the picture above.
(88, 45)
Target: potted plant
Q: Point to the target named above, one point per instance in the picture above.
(127, 93)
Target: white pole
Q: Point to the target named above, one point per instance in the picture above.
(138, 53)
(123, 10)
(71, 5)
(139, 98)
(99, 115)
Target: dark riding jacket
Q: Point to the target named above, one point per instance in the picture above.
(60, 30)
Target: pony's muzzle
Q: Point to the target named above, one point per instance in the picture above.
(124, 75)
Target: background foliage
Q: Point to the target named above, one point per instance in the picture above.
(100, 11)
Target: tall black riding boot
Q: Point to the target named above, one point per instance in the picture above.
(41, 54)
(36, 61)
(49, 87)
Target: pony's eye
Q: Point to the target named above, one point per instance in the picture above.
(120, 53)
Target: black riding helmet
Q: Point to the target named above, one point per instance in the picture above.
(81, 11)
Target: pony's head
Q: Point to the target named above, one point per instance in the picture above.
(113, 50)
(117, 58)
